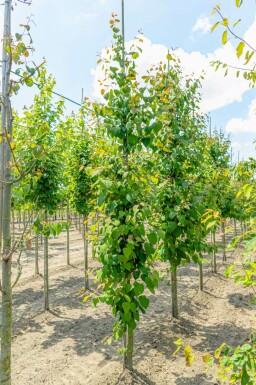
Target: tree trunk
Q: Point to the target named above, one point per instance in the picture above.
(86, 286)
(224, 241)
(46, 269)
(201, 276)
(5, 205)
(36, 256)
(214, 256)
(68, 238)
(128, 355)
(79, 223)
(13, 226)
(175, 312)
(235, 230)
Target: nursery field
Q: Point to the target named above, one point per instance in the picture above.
(66, 344)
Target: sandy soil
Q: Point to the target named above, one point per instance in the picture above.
(65, 345)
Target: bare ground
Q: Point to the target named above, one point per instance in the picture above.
(65, 345)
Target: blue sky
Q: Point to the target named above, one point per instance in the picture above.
(70, 34)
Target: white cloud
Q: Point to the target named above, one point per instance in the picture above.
(236, 145)
(238, 125)
(73, 17)
(202, 24)
(217, 91)
(249, 35)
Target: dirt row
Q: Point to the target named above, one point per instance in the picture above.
(65, 345)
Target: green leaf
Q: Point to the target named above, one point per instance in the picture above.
(171, 226)
(156, 127)
(127, 251)
(101, 199)
(210, 224)
(169, 57)
(95, 301)
(138, 288)
(179, 344)
(146, 141)
(245, 376)
(18, 36)
(126, 306)
(135, 55)
(150, 284)
(149, 249)
(236, 23)
(229, 270)
(29, 82)
(144, 301)
(152, 237)
(218, 351)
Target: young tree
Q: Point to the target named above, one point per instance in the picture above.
(17, 52)
(125, 249)
(177, 145)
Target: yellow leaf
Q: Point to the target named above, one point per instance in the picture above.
(12, 145)
(214, 26)
(206, 357)
(224, 37)
(188, 355)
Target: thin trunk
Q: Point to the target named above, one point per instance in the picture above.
(5, 206)
(46, 269)
(68, 238)
(76, 221)
(36, 256)
(201, 276)
(224, 241)
(128, 355)
(175, 312)
(214, 254)
(24, 219)
(235, 230)
(13, 226)
(86, 285)
(19, 218)
(79, 223)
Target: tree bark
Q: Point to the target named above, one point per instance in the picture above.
(46, 269)
(224, 241)
(5, 206)
(235, 229)
(128, 355)
(201, 276)
(214, 256)
(13, 226)
(68, 237)
(36, 256)
(86, 283)
(175, 312)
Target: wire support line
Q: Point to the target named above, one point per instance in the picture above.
(54, 93)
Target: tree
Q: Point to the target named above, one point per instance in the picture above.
(176, 143)
(125, 249)
(15, 51)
